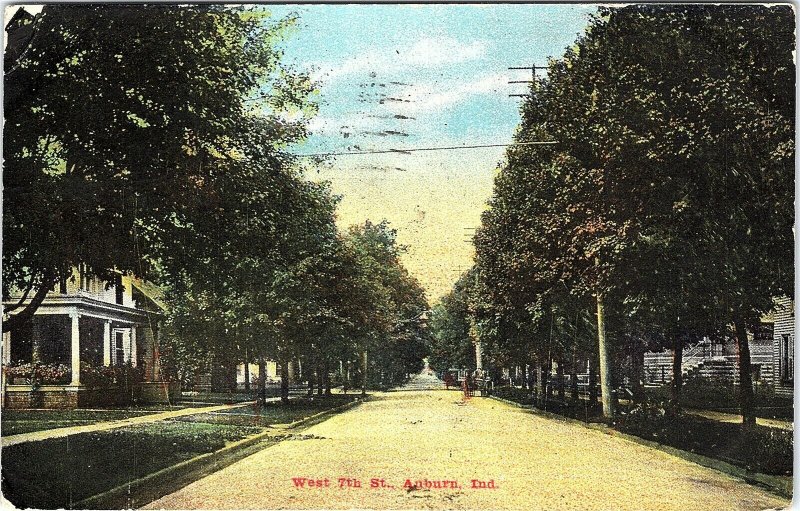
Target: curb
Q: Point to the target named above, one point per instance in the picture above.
(779, 485)
(144, 490)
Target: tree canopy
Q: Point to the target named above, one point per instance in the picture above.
(670, 190)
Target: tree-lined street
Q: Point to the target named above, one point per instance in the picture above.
(535, 463)
(298, 208)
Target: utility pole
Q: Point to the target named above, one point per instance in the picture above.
(603, 352)
(532, 69)
(469, 235)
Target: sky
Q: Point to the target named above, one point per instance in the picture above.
(410, 76)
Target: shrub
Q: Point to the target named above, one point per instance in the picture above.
(41, 374)
(760, 449)
(109, 376)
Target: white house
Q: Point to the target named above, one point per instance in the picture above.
(84, 325)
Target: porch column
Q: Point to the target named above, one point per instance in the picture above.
(76, 348)
(133, 345)
(107, 343)
(6, 347)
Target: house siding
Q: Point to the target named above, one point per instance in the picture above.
(784, 326)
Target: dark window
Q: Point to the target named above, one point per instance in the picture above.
(787, 358)
(118, 289)
(119, 350)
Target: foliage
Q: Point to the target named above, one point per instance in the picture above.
(451, 345)
(392, 305)
(105, 377)
(40, 374)
(668, 193)
(136, 136)
(759, 449)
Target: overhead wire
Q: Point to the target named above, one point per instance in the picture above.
(419, 149)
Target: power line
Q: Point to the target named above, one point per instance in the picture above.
(416, 149)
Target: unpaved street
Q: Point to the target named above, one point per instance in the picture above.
(534, 463)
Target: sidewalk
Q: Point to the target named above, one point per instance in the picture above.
(37, 436)
(735, 418)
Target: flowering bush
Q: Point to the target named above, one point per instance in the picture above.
(41, 374)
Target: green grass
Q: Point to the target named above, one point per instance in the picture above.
(15, 422)
(60, 472)
(225, 397)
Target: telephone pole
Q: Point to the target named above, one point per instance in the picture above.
(532, 69)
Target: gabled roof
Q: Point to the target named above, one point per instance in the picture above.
(152, 294)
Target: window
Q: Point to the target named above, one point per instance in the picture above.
(118, 289)
(787, 358)
(119, 349)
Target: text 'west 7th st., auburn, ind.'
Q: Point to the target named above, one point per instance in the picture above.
(380, 483)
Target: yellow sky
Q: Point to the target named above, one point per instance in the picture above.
(431, 203)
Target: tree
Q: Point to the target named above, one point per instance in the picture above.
(668, 196)
(394, 332)
(129, 131)
(451, 346)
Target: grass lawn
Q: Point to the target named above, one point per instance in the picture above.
(15, 422)
(59, 472)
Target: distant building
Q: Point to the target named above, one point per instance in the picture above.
(771, 355)
(783, 347)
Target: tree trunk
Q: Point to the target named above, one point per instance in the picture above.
(310, 392)
(573, 381)
(677, 374)
(345, 376)
(327, 379)
(745, 378)
(364, 373)
(592, 381)
(284, 381)
(262, 381)
(320, 379)
(605, 360)
(560, 375)
(246, 372)
(637, 378)
(542, 382)
(15, 321)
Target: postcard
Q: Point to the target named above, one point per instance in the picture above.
(398, 256)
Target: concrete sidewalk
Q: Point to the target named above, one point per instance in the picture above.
(37, 436)
(736, 418)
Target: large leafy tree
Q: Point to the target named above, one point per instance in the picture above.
(395, 340)
(451, 345)
(137, 134)
(669, 194)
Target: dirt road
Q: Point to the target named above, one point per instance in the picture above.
(422, 449)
